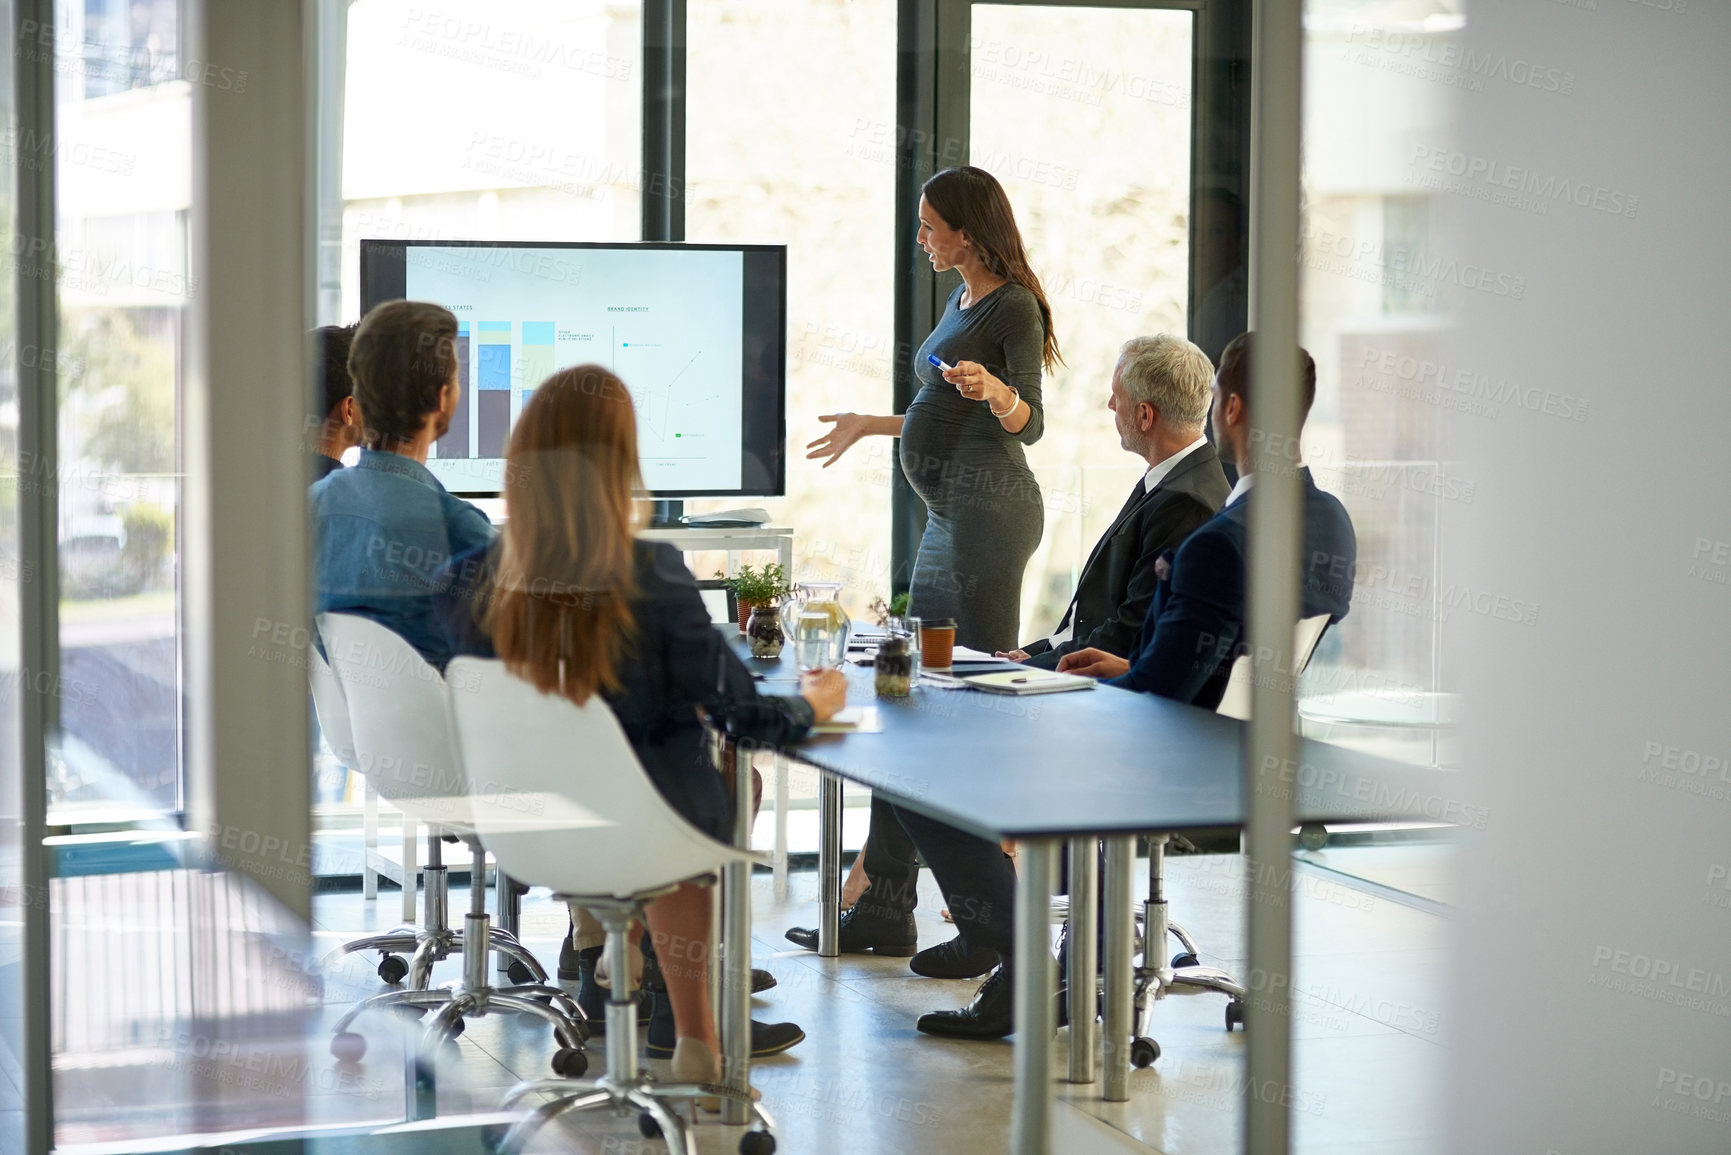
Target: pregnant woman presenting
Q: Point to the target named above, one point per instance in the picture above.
(962, 442)
(962, 437)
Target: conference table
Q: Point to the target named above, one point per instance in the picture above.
(1052, 771)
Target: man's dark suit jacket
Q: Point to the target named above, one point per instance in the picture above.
(1195, 626)
(1118, 580)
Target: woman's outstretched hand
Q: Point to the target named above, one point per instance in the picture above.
(849, 428)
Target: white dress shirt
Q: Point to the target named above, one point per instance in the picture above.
(1240, 489)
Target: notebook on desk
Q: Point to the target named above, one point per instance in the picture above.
(1023, 680)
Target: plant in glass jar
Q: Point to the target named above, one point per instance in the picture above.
(893, 668)
(753, 587)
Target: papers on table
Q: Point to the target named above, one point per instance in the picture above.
(853, 720)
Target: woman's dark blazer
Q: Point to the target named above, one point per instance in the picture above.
(676, 670)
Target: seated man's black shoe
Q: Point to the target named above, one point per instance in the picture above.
(761, 980)
(954, 960)
(989, 1016)
(863, 929)
(766, 1038)
(570, 958)
(592, 996)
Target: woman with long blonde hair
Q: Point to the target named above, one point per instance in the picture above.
(573, 603)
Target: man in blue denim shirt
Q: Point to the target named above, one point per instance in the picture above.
(383, 529)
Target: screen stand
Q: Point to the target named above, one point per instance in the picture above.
(666, 514)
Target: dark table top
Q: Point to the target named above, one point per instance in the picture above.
(1098, 761)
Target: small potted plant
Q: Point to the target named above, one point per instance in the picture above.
(757, 593)
(893, 668)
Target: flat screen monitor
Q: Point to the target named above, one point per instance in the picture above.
(698, 333)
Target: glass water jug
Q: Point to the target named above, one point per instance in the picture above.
(823, 597)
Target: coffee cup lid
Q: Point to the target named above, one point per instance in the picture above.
(937, 623)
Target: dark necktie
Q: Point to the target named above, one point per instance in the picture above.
(1130, 503)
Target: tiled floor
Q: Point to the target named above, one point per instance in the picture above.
(1367, 1022)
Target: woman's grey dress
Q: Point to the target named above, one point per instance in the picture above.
(984, 511)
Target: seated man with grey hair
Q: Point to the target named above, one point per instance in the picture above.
(1159, 402)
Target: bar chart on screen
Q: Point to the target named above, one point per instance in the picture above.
(666, 323)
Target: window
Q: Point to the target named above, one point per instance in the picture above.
(125, 177)
(1376, 281)
(1084, 116)
(790, 139)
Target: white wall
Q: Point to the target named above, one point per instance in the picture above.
(1594, 975)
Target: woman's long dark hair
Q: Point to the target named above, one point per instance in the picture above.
(971, 199)
(560, 616)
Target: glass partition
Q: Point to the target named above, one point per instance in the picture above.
(123, 172)
(1378, 280)
(522, 125)
(15, 571)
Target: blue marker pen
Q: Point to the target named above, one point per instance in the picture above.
(935, 360)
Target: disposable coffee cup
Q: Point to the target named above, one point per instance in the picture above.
(937, 643)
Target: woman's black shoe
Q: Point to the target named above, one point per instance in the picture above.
(862, 929)
(954, 960)
(989, 1016)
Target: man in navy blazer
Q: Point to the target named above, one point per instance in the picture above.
(1194, 629)
(1195, 625)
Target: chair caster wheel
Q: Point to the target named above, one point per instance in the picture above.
(392, 968)
(1185, 959)
(570, 1063)
(1312, 836)
(519, 973)
(757, 1143)
(348, 1046)
(1143, 1052)
(1234, 1014)
(457, 1028)
(647, 1126)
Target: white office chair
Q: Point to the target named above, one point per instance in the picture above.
(1186, 968)
(402, 738)
(568, 805)
(332, 708)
